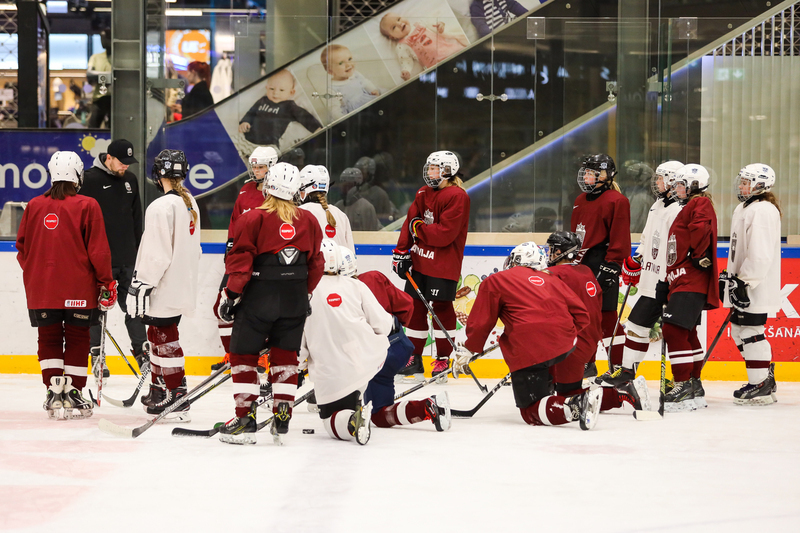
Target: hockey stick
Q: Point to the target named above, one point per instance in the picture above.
(446, 334)
(719, 334)
(119, 431)
(101, 361)
(614, 332)
(662, 390)
(455, 413)
(129, 401)
(114, 342)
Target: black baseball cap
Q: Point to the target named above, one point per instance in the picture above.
(122, 150)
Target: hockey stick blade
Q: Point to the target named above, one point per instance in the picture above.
(455, 413)
(115, 430)
(129, 402)
(647, 415)
(208, 433)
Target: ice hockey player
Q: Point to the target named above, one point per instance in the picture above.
(314, 184)
(250, 196)
(568, 374)
(692, 277)
(380, 391)
(165, 280)
(543, 318)
(752, 283)
(273, 267)
(601, 218)
(66, 268)
(647, 270)
(431, 248)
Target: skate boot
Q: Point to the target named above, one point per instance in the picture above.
(699, 394)
(761, 394)
(143, 357)
(53, 402)
(95, 351)
(440, 368)
(156, 394)
(358, 426)
(585, 407)
(280, 422)
(437, 408)
(590, 372)
(680, 397)
(76, 407)
(172, 397)
(771, 374)
(628, 393)
(225, 361)
(413, 371)
(240, 430)
(616, 378)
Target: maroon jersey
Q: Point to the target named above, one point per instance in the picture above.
(439, 248)
(392, 299)
(259, 232)
(580, 279)
(249, 198)
(541, 315)
(63, 252)
(692, 234)
(603, 223)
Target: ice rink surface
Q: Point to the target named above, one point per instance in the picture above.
(725, 468)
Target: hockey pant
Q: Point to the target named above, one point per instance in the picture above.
(608, 320)
(755, 350)
(417, 329)
(380, 390)
(62, 352)
(166, 360)
(282, 376)
(336, 415)
(685, 351)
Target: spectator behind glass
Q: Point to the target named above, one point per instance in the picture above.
(198, 74)
(100, 63)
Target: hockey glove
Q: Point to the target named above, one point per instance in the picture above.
(723, 284)
(108, 296)
(461, 362)
(631, 270)
(608, 275)
(414, 225)
(704, 261)
(737, 292)
(228, 300)
(308, 312)
(139, 298)
(401, 262)
(228, 246)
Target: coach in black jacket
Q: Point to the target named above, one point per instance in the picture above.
(117, 192)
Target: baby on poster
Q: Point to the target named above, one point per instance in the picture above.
(356, 89)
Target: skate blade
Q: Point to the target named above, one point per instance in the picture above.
(277, 439)
(680, 407)
(646, 415)
(441, 379)
(701, 403)
(176, 418)
(312, 408)
(410, 379)
(759, 400)
(242, 439)
(76, 414)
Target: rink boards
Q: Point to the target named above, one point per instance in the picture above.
(202, 346)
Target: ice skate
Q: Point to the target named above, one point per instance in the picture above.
(771, 373)
(680, 398)
(629, 393)
(761, 394)
(156, 394)
(95, 352)
(76, 407)
(225, 361)
(640, 384)
(589, 375)
(240, 430)
(616, 378)
(53, 402)
(143, 358)
(359, 423)
(172, 396)
(311, 403)
(440, 368)
(413, 372)
(699, 394)
(280, 422)
(589, 403)
(438, 408)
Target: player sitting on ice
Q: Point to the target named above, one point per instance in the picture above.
(542, 318)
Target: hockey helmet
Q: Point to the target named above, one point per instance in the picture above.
(283, 181)
(351, 175)
(663, 178)
(589, 173)
(330, 256)
(262, 155)
(563, 245)
(169, 164)
(66, 166)
(526, 254)
(314, 178)
(367, 166)
(440, 166)
(689, 180)
(347, 262)
(756, 178)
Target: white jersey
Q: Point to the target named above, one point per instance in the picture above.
(341, 234)
(344, 338)
(653, 245)
(755, 255)
(169, 256)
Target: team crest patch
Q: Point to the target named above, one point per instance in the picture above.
(591, 288)
(655, 245)
(330, 231)
(128, 187)
(672, 250)
(51, 221)
(580, 231)
(536, 280)
(191, 227)
(74, 303)
(334, 300)
(287, 231)
(428, 216)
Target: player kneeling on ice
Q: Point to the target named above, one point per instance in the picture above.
(66, 268)
(542, 318)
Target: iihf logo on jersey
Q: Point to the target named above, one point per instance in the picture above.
(428, 216)
(672, 250)
(580, 231)
(656, 244)
(733, 247)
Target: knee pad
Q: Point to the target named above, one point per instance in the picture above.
(531, 385)
(636, 331)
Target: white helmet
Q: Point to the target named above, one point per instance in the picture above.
(330, 256)
(526, 254)
(66, 166)
(443, 165)
(689, 180)
(283, 181)
(262, 155)
(665, 172)
(347, 262)
(314, 178)
(758, 176)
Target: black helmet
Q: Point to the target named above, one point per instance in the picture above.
(169, 164)
(563, 243)
(597, 163)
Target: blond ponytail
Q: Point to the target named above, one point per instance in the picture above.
(323, 201)
(770, 197)
(615, 186)
(285, 209)
(178, 187)
(455, 181)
